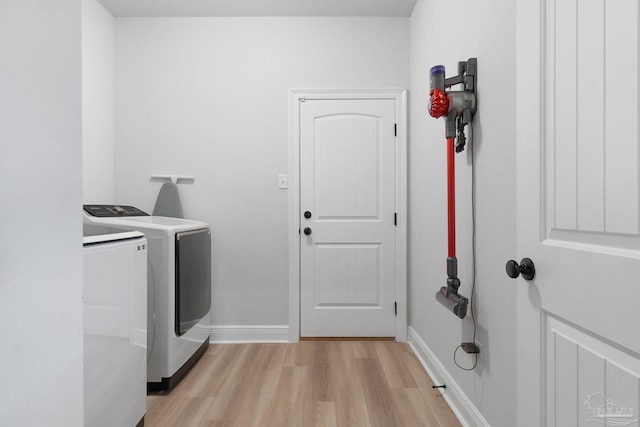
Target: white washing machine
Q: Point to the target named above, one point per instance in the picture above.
(179, 288)
(115, 327)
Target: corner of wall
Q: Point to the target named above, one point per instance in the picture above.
(98, 88)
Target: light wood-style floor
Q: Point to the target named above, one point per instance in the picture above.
(305, 384)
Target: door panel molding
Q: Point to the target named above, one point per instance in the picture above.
(297, 96)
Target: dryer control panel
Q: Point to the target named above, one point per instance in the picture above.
(103, 211)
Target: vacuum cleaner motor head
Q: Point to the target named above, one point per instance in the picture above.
(455, 302)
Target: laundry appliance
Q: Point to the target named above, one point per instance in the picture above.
(115, 327)
(179, 288)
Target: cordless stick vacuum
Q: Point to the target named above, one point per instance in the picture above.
(458, 108)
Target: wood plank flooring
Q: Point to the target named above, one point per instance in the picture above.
(305, 384)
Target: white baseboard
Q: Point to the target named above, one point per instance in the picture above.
(459, 402)
(219, 334)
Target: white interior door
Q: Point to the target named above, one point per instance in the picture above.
(578, 213)
(347, 205)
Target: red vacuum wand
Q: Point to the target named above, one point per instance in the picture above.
(458, 108)
(451, 196)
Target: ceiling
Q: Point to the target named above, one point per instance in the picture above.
(149, 8)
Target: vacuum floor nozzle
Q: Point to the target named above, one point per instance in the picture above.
(456, 303)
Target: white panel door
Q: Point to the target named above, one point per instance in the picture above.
(578, 213)
(347, 203)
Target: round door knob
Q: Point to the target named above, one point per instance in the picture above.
(307, 231)
(307, 214)
(526, 268)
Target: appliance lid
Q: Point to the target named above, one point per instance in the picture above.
(151, 226)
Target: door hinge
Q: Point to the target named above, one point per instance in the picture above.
(395, 129)
(395, 308)
(395, 219)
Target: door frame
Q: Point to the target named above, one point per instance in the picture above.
(296, 96)
(529, 138)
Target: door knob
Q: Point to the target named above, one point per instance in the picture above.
(526, 268)
(307, 214)
(307, 231)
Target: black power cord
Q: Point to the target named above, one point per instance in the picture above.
(473, 246)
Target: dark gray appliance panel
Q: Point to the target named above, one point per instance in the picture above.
(193, 278)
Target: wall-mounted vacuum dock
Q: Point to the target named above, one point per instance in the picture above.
(458, 108)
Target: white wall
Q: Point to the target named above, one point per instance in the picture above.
(209, 97)
(41, 227)
(445, 33)
(97, 103)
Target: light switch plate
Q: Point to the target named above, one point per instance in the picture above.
(283, 181)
